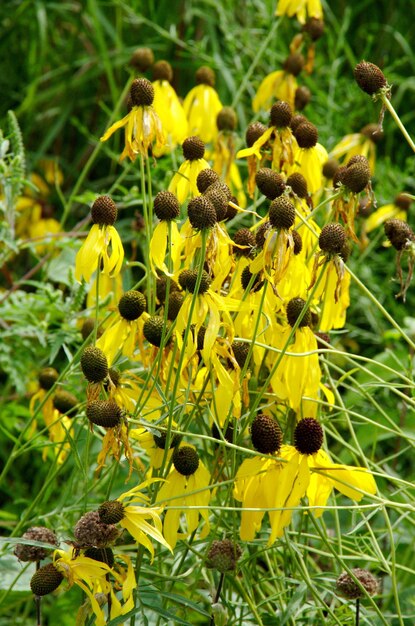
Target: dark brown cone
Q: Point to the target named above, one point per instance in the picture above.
(314, 28)
(240, 352)
(320, 338)
(166, 206)
(302, 98)
(216, 196)
(297, 120)
(88, 327)
(282, 213)
(185, 460)
(223, 555)
(348, 588)
(104, 413)
(298, 242)
(261, 234)
(141, 92)
(339, 176)
(332, 238)
(102, 555)
(330, 167)
(160, 440)
(153, 330)
(373, 132)
(369, 77)
(162, 70)
(132, 305)
(188, 279)
(142, 59)
(294, 310)
(246, 279)
(308, 436)
(254, 132)
(25, 552)
(399, 233)
(402, 201)
(111, 512)
(358, 158)
(294, 63)
(205, 76)
(90, 530)
(45, 580)
(356, 177)
(201, 213)
(231, 212)
(298, 184)
(269, 183)
(104, 211)
(281, 114)
(94, 364)
(205, 178)
(193, 148)
(266, 435)
(175, 302)
(227, 434)
(47, 378)
(65, 402)
(243, 237)
(226, 119)
(306, 135)
(161, 286)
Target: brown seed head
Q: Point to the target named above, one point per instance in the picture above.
(193, 148)
(162, 70)
(141, 92)
(111, 512)
(338, 177)
(294, 309)
(330, 167)
(202, 213)
(403, 201)
(216, 195)
(45, 580)
(205, 76)
(90, 530)
(281, 114)
(332, 238)
(103, 555)
(161, 285)
(298, 184)
(175, 302)
(185, 460)
(142, 59)
(356, 176)
(25, 552)
(374, 132)
(104, 413)
(166, 206)
(153, 330)
(104, 211)
(399, 233)
(94, 364)
(294, 63)
(226, 119)
(246, 279)
(369, 77)
(254, 132)
(314, 27)
(306, 135)
(223, 555)
(132, 305)
(269, 182)
(298, 242)
(47, 378)
(308, 436)
(282, 213)
(188, 279)
(266, 434)
(243, 237)
(205, 178)
(348, 588)
(302, 98)
(65, 402)
(297, 120)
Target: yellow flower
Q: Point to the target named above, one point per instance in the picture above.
(109, 292)
(101, 237)
(185, 491)
(202, 105)
(397, 210)
(302, 9)
(155, 444)
(279, 85)
(168, 106)
(363, 143)
(183, 182)
(143, 128)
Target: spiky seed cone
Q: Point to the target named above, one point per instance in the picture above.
(246, 279)
(226, 119)
(231, 212)
(330, 167)
(153, 330)
(356, 177)
(346, 251)
(188, 280)
(314, 27)
(47, 378)
(175, 302)
(266, 435)
(332, 238)
(261, 234)
(243, 237)
(339, 176)
(302, 98)
(306, 135)
(254, 132)
(281, 114)
(269, 183)
(161, 286)
(240, 352)
(103, 555)
(104, 413)
(162, 70)
(224, 189)
(399, 233)
(200, 339)
(185, 460)
(348, 588)
(205, 76)
(132, 305)
(45, 580)
(115, 376)
(25, 552)
(294, 63)
(160, 440)
(374, 132)
(214, 193)
(358, 158)
(308, 436)
(141, 92)
(282, 213)
(111, 512)
(94, 364)
(297, 120)
(90, 530)
(166, 206)
(201, 213)
(298, 242)
(322, 337)
(193, 148)
(142, 59)
(298, 184)
(104, 211)
(65, 402)
(205, 178)
(369, 77)
(227, 435)
(294, 310)
(403, 201)
(223, 555)
(88, 327)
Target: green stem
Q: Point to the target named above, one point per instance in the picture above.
(388, 104)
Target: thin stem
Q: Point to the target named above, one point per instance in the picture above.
(388, 104)
(217, 596)
(357, 611)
